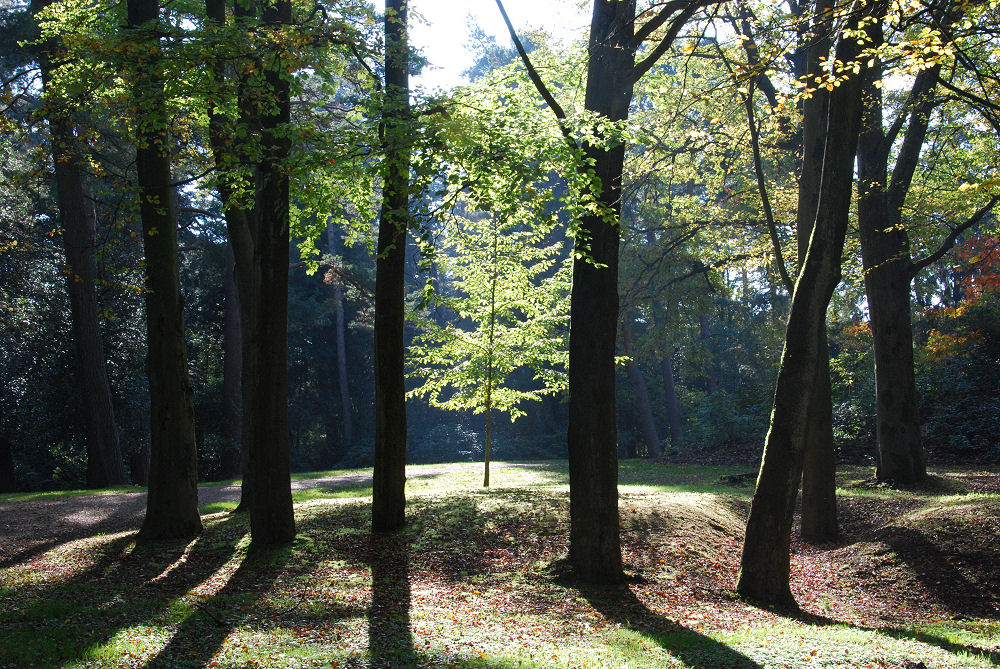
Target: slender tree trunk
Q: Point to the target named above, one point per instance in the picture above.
(765, 563)
(819, 470)
(240, 234)
(389, 476)
(78, 218)
(674, 418)
(647, 424)
(819, 473)
(172, 500)
(491, 353)
(232, 370)
(8, 475)
(346, 405)
(706, 341)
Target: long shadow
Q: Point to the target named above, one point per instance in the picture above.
(47, 625)
(991, 656)
(694, 649)
(126, 516)
(390, 642)
(938, 573)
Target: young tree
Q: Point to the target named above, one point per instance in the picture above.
(509, 300)
(172, 501)
(389, 476)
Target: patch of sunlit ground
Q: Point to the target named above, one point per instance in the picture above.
(473, 581)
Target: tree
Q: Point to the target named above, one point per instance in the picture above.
(509, 291)
(889, 267)
(764, 565)
(389, 476)
(77, 216)
(172, 501)
(612, 72)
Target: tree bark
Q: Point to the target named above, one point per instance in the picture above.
(240, 240)
(819, 468)
(172, 500)
(647, 424)
(819, 473)
(765, 562)
(389, 476)
(78, 217)
(272, 520)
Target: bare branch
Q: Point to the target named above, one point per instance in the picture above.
(952, 237)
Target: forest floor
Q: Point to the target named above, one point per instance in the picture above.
(474, 579)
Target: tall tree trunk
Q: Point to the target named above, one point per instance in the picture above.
(885, 253)
(595, 544)
(265, 333)
(232, 370)
(389, 476)
(172, 500)
(78, 217)
(819, 473)
(765, 563)
(674, 418)
(240, 238)
(346, 405)
(647, 425)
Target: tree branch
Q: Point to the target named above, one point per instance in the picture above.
(543, 90)
(950, 240)
(676, 24)
(772, 228)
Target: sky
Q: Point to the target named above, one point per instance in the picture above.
(440, 30)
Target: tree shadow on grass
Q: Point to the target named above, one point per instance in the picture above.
(693, 648)
(991, 656)
(390, 642)
(48, 625)
(201, 634)
(938, 573)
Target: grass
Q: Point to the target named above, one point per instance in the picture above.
(474, 581)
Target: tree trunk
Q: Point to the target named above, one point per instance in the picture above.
(765, 563)
(241, 245)
(232, 370)
(819, 470)
(8, 475)
(647, 424)
(674, 418)
(77, 215)
(885, 253)
(706, 340)
(595, 544)
(389, 476)
(346, 405)
(172, 500)
(272, 519)
(819, 474)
